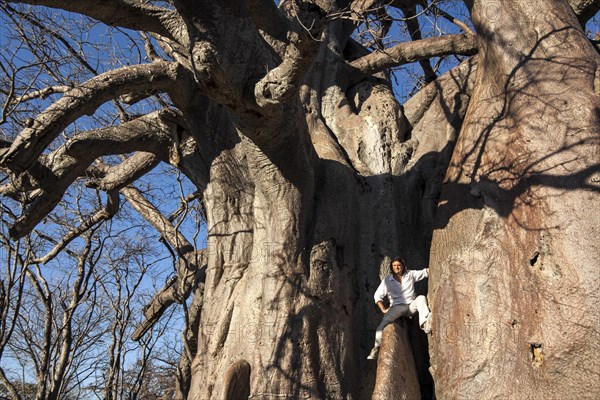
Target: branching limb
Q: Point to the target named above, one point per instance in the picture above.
(271, 23)
(42, 93)
(53, 174)
(454, 20)
(85, 99)
(282, 82)
(360, 11)
(55, 35)
(104, 214)
(162, 224)
(184, 205)
(419, 104)
(404, 53)
(173, 49)
(189, 271)
(117, 176)
(136, 15)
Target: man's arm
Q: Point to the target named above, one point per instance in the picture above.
(420, 274)
(380, 294)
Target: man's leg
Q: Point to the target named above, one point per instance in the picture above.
(393, 314)
(420, 305)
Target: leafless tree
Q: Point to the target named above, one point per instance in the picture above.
(312, 175)
(12, 282)
(64, 319)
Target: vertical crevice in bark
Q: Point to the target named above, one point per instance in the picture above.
(237, 381)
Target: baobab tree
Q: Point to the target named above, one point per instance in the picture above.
(312, 175)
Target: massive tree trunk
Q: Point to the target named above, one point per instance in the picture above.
(298, 239)
(313, 176)
(515, 267)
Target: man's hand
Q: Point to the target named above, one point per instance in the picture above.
(382, 307)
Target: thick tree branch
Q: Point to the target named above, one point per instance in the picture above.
(268, 19)
(417, 106)
(173, 49)
(364, 7)
(85, 99)
(408, 52)
(136, 15)
(189, 271)
(412, 23)
(117, 176)
(162, 224)
(42, 93)
(154, 132)
(282, 82)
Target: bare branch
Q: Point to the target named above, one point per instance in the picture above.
(116, 176)
(191, 272)
(124, 13)
(282, 82)
(9, 385)
(42, 93)
(412, 23)
(55, 35)
(153, 132)
(107, 212)
(184, 204)
(408, 52)
(158, 220)
(85, 99)
(452, 19)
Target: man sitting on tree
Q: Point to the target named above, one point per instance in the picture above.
(399, 288)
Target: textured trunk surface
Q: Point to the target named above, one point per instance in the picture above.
(515, 268)
(313, 176)
(299, 239)
(396, 376)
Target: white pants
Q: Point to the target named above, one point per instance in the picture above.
(403, 310)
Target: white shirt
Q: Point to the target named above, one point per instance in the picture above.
(399, 293)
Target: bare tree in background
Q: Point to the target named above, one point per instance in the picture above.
(12, 282)
(62, 321)
(313, 175)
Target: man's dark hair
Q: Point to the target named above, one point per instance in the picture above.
(397, 259)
